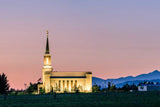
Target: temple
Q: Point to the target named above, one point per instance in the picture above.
(58, 81)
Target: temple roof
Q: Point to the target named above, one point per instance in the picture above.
(68, 77)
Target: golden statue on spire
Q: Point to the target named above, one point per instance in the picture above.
(47, 33)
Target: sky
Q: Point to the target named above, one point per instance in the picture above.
(111, 38)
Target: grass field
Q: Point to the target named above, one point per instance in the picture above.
(111, 99)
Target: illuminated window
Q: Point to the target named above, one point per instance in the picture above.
(46, 60)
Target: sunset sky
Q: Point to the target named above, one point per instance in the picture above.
(111, 38)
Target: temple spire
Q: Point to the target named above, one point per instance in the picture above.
(47, 44)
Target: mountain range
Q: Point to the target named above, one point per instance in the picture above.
(119, 82)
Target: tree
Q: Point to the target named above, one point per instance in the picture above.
(133, 87)
(112, 88)
(95, 88)
(39, 80)
(42, 91)
(126, 87)
(4, 85)
(109, 85)
(25, 85)
(32, 88)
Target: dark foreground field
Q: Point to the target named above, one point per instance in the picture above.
(112, 99)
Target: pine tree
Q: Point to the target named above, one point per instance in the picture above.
(109, 85)
(4, 85)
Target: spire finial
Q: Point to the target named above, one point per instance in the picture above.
(47, 33)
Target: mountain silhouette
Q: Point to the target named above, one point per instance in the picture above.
(155, 75)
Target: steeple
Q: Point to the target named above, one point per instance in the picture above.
(47, 55)
(47, 45)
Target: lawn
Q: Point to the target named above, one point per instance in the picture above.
(111, 99)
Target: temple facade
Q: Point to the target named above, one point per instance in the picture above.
(58, 81)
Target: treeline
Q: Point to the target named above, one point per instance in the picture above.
(149, 83)
(4, 86)
(125, 87)
(112, 87)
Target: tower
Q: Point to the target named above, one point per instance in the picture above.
(47, 68)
